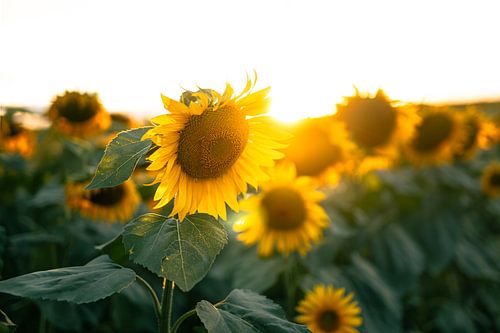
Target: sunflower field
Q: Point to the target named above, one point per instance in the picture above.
(383, 216)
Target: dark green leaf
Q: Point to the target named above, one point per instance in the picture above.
(98, 279)
(115, 250)
(120, 158)
(245, 312)
(6, 325)
(398, 257)
(181, 252)
(69, 316)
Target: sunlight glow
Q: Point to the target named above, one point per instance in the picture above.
(311, 53)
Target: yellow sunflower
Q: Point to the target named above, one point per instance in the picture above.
(479, 133)
(14, 138)
(79, 114)
(320, 148)
(490, 180)
(326, 309)
(110, 205)
(375, 124)
(437, 138)
(210, 146)
(286, 214)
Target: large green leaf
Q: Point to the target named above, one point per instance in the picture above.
(180, 251)
(98, 279)
(245, 312)
(120, 158)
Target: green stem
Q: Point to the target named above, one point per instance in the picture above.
(166, 305)
(156, 301)
(181, 319)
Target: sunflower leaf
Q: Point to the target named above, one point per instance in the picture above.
(182, 252)
(120, 158)
(96, 280)
(244, 311)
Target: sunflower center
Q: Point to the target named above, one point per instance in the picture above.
(371, 121)
(79, 108)
(312, 160)
(285, 209)
(212, 142)
(433, 131)
(495, 180)
(329, 321)
(107, 196)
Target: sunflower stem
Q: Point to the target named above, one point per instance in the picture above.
(166, 305)
(181, 319)
(156, 301)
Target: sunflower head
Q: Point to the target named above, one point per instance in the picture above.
(286, 214)
(438, 136)
(490, 180)
(210, 146)
(326, 309)
(320, 148)
(122, 121)
(478, 133)
(371, 121)
(14, 138)
(110, 205)
(78, 114)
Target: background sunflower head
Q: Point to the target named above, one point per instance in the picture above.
(373, 123)
(326, 309)
(285, 215)
(438, 136)
(320, 148)
(78, 114)
(14, 138)
(210, 146)
(112, 204)
(490, 180)
(479, 133)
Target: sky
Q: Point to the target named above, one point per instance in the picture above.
(312, 53)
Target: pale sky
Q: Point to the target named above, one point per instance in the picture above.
(310, 52)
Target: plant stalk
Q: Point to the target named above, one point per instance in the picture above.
(166, 306)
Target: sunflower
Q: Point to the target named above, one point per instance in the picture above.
(286, 214)
(210, 146)
(320, 148)
(14, 138)
(479, 133)
(326, 309)
(79, 114)
(437, 138)
(374, 124)
(490, 180)
(111, 204)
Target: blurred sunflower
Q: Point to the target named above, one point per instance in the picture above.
(374, 124)
(122, 121)
(79, 114)
(210, 147)
(490, 180)
(329, 310)
(320, 148)
(286, 214)
(14, 138)
(110, 204)
(479, 133)
(439, 135)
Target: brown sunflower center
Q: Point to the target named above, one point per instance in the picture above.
(329, 321)
(371, 121)
(433, 131)
(472, 130)
(285, 209)
(78, 107)
(313, 159)
(495, 180)
(107, 196)
(212, 142)
(9, 129)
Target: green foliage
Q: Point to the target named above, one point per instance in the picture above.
(96, 280)
(245, 312)
(182, 252)
(6, 325)
(120, 158)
